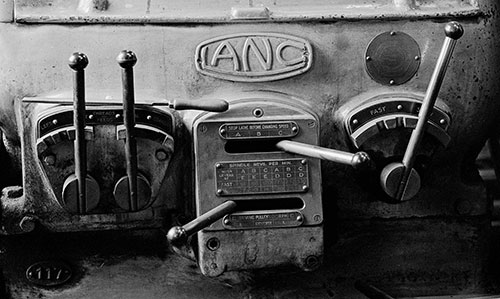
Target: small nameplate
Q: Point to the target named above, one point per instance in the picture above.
(49, 273)
(259, 130)
(263, 220)
(261, 177)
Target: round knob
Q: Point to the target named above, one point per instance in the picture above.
(78, 61)
(126, 59)
(177, 236)
(361, 160)
(454, 30)
(390, 179)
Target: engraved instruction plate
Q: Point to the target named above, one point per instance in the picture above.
(261, 177)
(263, 220)
(259, 130)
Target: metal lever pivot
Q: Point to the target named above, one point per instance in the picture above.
(127, 188)
(178, 235)
(400, 180)
(357, 160)
(80, 191)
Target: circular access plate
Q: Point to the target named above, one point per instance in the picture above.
(392, 58)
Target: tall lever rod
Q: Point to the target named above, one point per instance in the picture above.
(178, 235)
(453, 31)
(127, 60)
(356, 160)
(78, 62)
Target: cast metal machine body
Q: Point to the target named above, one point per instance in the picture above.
(285, 148)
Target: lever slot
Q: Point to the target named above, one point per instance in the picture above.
(251, 146)
(293, 203)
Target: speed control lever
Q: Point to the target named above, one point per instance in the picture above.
(400, 180)
(357, 160)
(178, 235)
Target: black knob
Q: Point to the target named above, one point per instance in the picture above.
(78, 61)
(126, 59)
(453, 30)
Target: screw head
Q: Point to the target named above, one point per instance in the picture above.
(50, 160)
(399, 107)
(220, 191)
(91, 116)
(368, 58)
(442, 121)
(355, 121)
(392, 82)
(54, 122)
(118, 115)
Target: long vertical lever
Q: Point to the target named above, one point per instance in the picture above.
(127, 60)
(80, 191)
(400, 180)
(78, 62)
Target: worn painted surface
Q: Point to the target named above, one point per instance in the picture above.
(433, 244)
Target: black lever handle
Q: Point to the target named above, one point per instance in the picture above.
(178, 235)
(127, 60)
(78, 62)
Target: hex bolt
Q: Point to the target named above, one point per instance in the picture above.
(27, 224)
(161, 155)
(50, 160)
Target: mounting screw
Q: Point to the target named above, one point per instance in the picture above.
(317, 218)
(27, 224)
(368, 58)
(227, 221)
(213, 244)
(417, 57)
(50, 160)
(392, 82)
(399, 107)
(91, 116)
(258, 112)
(220, 191)
(355, 121)
(303, 162)
(218, 165)
(203, 128)
(222, 131)
(295, 129)
(305, 188)
(299, 218)
(118, 115)
(54, 122)
(393, 33)
(149, 117)
(442, 121)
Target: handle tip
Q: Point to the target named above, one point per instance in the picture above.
(454, 30)
(177, 236)
(126, 59)
(361, 160)
(78, 61)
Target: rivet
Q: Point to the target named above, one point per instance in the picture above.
(442, 121)
(161, 155)
(305, 188)
(295, 129)
(91, 116)
(118, 115)
(227, 221)
(368, 58)
(299, 218)
(218, 165)
(399, 107)
(54, 122)
(393, 33)
(222, 131)
(220, 191)
(303, 162)
(417, 58)
(149, 117)
(392, 82)
(355, 121)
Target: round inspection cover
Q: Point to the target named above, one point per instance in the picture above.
(392, 58)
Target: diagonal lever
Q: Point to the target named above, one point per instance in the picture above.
(178, 235)
(400, 180)
(357, 160)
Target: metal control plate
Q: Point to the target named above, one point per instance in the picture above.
(261, 177)
(284, 129)
(263, 220)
